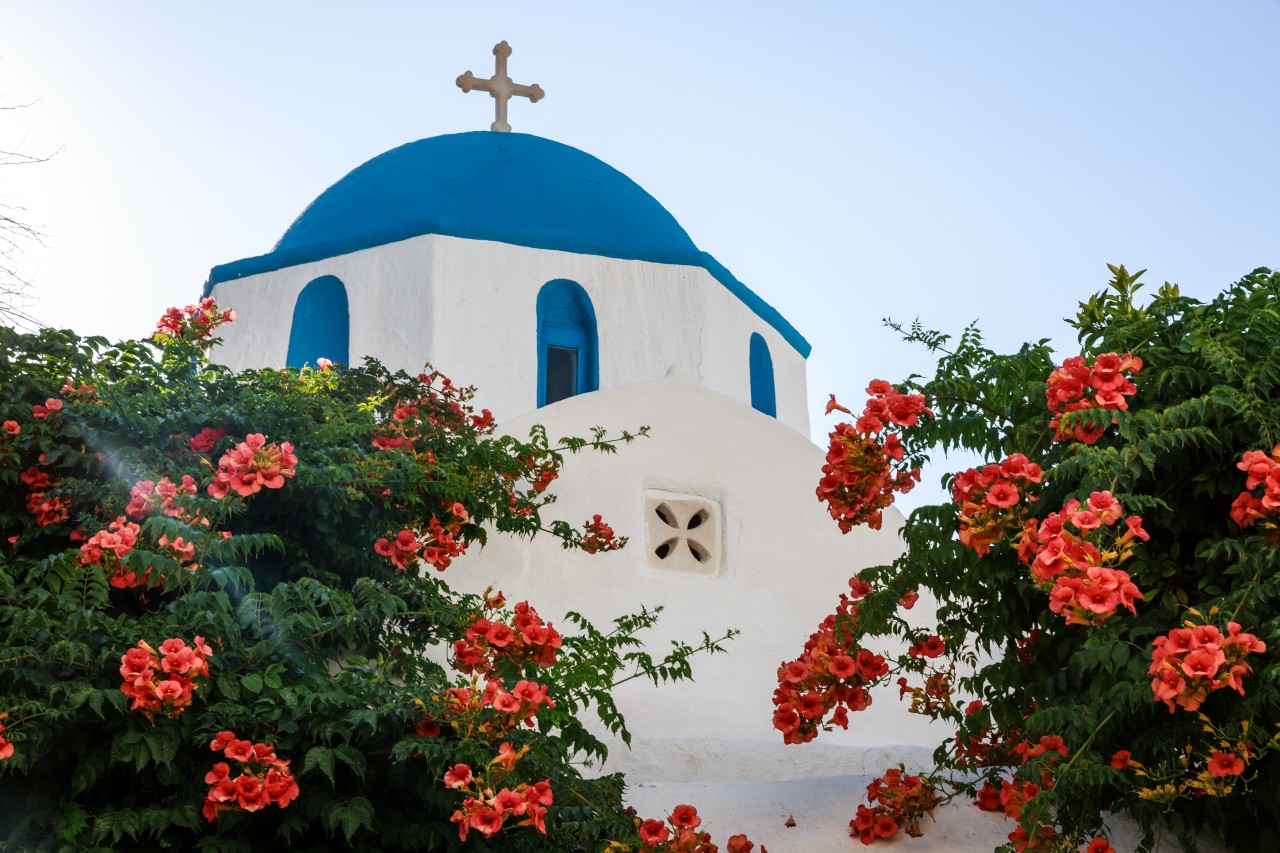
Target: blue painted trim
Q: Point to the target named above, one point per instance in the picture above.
(566, 318)
(762, 309)
(763, 395)
(321, 324)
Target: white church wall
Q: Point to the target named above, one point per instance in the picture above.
(264, 309)
(648, 316)
(784, 565)
(726, 345)
(387, 293)
(469, 307)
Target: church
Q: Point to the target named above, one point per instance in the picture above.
(572, 298)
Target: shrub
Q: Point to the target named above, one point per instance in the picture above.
(1106, 582)
(220, 596)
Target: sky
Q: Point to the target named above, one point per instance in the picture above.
(848, 161)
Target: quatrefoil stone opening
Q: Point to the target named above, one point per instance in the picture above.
(682, 533)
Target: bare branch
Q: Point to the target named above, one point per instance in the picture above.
(17, 158)
(15, 290)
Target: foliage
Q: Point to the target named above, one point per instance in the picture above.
(284, 610)
(1073, 705)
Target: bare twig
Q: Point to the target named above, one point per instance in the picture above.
(15, 289)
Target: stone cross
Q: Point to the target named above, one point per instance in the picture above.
(500, 87)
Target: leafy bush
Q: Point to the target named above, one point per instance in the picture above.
(223, 625)
(1107, 583)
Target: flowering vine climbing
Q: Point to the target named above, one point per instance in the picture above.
(249, 563)
(1105, 590)
(264, 778)
(865, 461)
(164, 681)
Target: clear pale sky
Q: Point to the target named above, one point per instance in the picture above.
(846, 160)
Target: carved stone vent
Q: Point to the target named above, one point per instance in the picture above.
(682, 533)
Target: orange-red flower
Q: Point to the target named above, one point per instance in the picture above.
(685, 815)
(862, 472)
(458, 776)
(486, 812)
(653, 832)
(206, 439)
(264, 778)
(525, 639)
(600, 537)
(192, 323)
(1075, 386)
(930, 647)
(898, 801)
(51, 407)
(1225, 764)
(1190, 662)
(253, 465)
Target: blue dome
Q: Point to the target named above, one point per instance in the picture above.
(506, 187)
(509, 187)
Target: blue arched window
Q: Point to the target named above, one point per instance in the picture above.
(568, 347)
(321, 324)
(763, 398)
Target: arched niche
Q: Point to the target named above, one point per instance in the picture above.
(568, 344)
(763, 397)
(321, 324)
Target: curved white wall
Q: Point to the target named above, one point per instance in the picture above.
(785, 562)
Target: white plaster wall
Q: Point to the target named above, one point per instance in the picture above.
(388, 299)
(469, 308)
(726, 348)
(649, 317)
(785, 564)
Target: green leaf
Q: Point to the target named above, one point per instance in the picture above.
(73, 821)
(229, 687)
(88, 771)
(321, 758)
(351, 814)
(351, 757)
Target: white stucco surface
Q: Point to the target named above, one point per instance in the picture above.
(784, 563)
(469, 307)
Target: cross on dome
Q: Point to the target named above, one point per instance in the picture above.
(500, 87)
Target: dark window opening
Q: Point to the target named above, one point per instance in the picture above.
(562, 373)
(568, 346)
